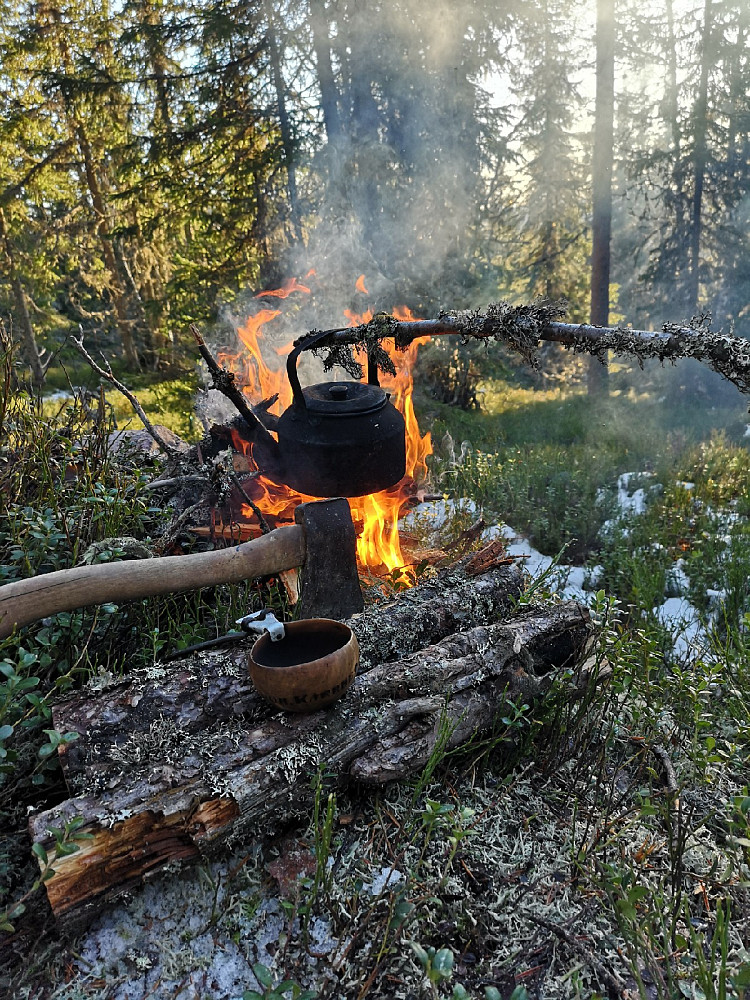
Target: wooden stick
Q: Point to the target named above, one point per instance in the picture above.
(523, 327)
(28, 600)
(224, 381)
(107, 374)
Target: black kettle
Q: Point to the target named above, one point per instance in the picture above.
(336, 439)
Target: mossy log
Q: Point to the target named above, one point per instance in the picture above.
(166, 793)
(208, 690)
(522, 327)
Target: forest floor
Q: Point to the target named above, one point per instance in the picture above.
(607, 854)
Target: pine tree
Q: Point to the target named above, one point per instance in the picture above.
(549, 256)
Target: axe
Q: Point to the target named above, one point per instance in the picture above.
(322, 543)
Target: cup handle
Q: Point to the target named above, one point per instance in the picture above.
(263, 621)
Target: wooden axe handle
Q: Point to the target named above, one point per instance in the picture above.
(28, 600)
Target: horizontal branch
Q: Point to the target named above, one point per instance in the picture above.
(522, 327)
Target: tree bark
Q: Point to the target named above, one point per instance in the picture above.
(159, 795)
(329, 96)
(671, 108)
(28, 340)
(602, 182)
(285, 125)
(700, 157)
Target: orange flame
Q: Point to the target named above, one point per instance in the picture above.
(360, 285)
(378, 542)
(292, 285)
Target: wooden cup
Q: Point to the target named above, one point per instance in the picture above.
(309, 669)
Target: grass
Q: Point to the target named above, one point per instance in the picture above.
(609, 853)
(547, 461)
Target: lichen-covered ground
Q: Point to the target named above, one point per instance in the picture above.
(519, 874)
(599, 848)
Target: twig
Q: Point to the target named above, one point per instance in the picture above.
(669, 777)
(614, 984)
(224, 381)
(174, 482)
(668, 773)
(265, 527)
(174, 529)
(107, 374)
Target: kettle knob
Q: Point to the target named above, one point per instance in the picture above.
(339, 390)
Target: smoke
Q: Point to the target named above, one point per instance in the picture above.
(394, 194)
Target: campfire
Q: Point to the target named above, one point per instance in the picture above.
(259, 369)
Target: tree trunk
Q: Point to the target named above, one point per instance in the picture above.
(108, 251)
(285, 127)
(738, 124)
(28, 340)
(602, 181)
(700, 156)
(329, 96)
(422, 616)
(680, 266)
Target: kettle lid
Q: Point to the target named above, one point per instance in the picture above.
(344, 399)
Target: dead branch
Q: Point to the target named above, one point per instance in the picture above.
(615, 986)
(224, 381)
(265, 527)
(107, 374)
(522, 327)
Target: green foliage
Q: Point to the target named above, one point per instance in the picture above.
(279, 991)
(437, 965)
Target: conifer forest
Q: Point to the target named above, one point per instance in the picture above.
(159, 157)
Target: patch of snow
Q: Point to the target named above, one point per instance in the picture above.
(572, 583)
(683, 622)
(628, 503)
(575, 588)
(57, 396)
(176, 937)
(678, 583)
(716, 597)
(387, 877)
(493, 532)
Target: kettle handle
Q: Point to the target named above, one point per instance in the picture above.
(303, 345)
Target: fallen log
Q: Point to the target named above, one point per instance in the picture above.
(208, 690)
(163, 794)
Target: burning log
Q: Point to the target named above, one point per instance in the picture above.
(154, 790)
